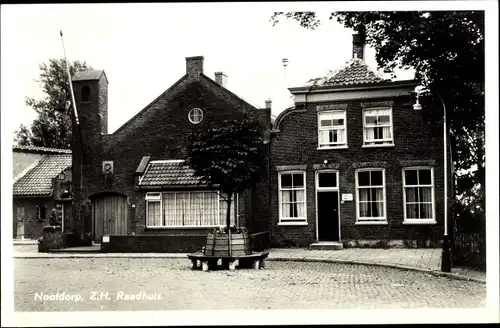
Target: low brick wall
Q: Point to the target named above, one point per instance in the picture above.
(260, 241)
(153, 244)
(52, 238)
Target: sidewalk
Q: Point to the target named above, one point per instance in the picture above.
(420, 259)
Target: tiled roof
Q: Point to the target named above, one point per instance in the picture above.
(354, 72)
(38, 180)
(88, 75)
(168, 173)
(41, 149)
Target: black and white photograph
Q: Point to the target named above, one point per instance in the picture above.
(247, 163)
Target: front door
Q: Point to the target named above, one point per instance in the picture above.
(328, 216)
(109, 216)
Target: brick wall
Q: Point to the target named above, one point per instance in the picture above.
(417, 142)
(32, 226)
(161, 131)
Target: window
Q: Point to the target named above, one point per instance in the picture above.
(370, 198)
(327, 180)
(377, 126)
(418, 194)
(292, 198)
(85, 94)
(187, 209)
(332, 129)
(41, 212)
(195, 115)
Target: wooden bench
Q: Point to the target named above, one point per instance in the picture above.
(208, 262)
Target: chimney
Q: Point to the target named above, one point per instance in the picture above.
(358, 46)
(269, 103)
(221, 79)
(194, 65)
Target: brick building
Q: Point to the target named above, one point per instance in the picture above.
(352, 164)
(129, 185)
(42, 182)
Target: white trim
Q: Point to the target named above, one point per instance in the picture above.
(301, 223)
(166, 161)
(344, 127)
(403, 180)
(327, 189)
(378, 146)
(330, 148)
(301, 219)
(371, 223)
(391, 124)
(379, 220)
(62, 217)
(331, 95)
(200, 114)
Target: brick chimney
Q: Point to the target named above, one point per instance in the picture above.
(269, 103)
(221, 79)
(358, 46)
(194, 65)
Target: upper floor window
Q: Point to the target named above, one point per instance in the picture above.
(418, 194)
(370, 188)
(195, 115)
(332, 130)
(85, 94)
(377, 127)
(292, 198)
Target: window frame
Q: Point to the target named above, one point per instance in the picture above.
(300, 221)
(234, 207)
(369, 143)
(369, 220)
(319, 129)
(406, 220)
(192, 112)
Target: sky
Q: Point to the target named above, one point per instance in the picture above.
(142, 49)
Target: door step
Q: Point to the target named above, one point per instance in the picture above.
(327, 245)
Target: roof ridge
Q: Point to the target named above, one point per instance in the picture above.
(42, 149)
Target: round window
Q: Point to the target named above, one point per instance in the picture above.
(195, 115)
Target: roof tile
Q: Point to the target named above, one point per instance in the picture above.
(162, 173)
(38, 181)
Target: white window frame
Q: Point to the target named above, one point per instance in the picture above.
(332, 145)
(194, 114)
(158, 197)
(370, 220)
(369, 143)
(412, 220)
(291, 221)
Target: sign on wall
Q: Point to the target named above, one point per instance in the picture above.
(107, 167)
(346, 197)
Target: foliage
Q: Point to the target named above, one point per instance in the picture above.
(446, 50)
(52, 127)
(226, 157)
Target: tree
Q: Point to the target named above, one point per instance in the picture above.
(52, 128)
(227, 158)
(446, 50)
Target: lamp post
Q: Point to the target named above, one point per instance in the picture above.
(445, 251)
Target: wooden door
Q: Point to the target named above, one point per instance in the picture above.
(328, 216)
(109, 216)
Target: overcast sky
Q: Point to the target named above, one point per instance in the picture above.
(142, 48)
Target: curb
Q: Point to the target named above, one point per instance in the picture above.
(281, 259)
(389, 265)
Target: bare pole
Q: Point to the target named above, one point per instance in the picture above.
(75, 113)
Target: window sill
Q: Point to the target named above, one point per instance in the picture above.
(295, 224)
(415, 222)
(371, 223)
(330, 148)
(376, 146)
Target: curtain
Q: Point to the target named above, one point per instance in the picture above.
(285, 201)
(154, 215)
(426, 206)
(169, 209)
(364, 195)
(300, 203)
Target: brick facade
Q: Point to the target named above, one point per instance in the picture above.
(162, 131)
(417, 142)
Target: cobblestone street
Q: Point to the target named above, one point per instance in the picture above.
(173, 285)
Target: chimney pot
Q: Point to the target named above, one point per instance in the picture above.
(269, 104)
(221, 79)
(358, 46)
(194, 65)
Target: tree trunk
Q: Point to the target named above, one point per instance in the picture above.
(228, 214)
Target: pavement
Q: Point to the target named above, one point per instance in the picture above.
(427, 260)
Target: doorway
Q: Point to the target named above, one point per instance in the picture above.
(327, 205)
(109, 216)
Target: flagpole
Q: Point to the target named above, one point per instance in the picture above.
(75, 113)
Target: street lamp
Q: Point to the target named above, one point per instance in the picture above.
(445, 252)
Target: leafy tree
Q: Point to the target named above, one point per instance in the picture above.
(52, 128)
(227, 158)
(446, 50)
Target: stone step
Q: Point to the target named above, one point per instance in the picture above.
(327, 245)
(79, 249)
